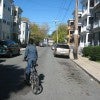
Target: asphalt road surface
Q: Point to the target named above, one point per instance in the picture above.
(63, 79)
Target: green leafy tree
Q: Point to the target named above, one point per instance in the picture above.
(38, 32)
(62, 33)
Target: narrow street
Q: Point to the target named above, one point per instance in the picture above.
(63, 79)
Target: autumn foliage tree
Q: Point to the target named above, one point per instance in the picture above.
(38, 32)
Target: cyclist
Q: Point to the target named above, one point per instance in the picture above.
(31, 56)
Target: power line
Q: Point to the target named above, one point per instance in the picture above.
(67, 10)
(62, 6)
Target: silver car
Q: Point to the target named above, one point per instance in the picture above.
(62, 50)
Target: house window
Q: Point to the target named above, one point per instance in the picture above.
(8, 23)
(90, 20)
(4, 21)
(15, 13)
(92, 3)
(4, 5)
(72, 23)
(8, 8)
(14, 24)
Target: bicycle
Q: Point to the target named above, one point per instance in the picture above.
(34, 80)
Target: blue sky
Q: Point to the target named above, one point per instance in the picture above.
(47, 11)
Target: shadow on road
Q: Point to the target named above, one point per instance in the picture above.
(11, 80)
(65, 57)
(41, 78)
(2, 60)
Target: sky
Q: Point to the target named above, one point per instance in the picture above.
(47, 11)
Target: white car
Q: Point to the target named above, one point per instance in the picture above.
(53, 46)
(62, 50)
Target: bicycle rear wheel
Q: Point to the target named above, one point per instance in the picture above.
(37, 89)
(35, 82)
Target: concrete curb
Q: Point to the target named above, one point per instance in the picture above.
(86, 72)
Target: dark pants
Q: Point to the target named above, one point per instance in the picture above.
(29, 65)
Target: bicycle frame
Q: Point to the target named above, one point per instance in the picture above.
(34, 79)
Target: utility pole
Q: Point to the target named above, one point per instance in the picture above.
(75, 50)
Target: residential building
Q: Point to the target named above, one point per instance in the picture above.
(95, 29)
(71, 29)
(24, 36)
(79, 22)
(16, 11)
(0, 30)
(5, 19)
(50, 42)
(87, 6)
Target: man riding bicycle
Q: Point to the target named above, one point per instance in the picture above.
(31, 56)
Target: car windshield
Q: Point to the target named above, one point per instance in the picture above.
(63, 46)
(3, 43)
(10, 42)
(6, 42)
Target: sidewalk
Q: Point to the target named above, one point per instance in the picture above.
(91, 67)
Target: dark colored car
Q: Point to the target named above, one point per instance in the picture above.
(9, 48)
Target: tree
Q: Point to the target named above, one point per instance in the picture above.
(54, 36)
(62, 33)
(38, 32)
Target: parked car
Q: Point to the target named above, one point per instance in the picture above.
(62, 50)
(53, 46)
(9, 48)
(41, 44)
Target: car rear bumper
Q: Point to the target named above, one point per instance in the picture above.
(3, 54)
(61, 54)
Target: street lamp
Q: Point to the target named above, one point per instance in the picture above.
(56, 29)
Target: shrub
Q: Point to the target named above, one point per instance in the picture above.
(86, 51)
(95, 53)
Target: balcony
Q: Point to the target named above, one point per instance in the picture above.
(85, 12)
(84, 29)
(96, 24)
(79, 24)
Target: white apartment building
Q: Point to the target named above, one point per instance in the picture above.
(24, 36)
(95, 36)
(16, 12)
(79, 20)
(87, 6)
(5, 19)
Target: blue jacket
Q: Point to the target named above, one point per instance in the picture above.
(31, 52)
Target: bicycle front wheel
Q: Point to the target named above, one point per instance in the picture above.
(37, 89)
